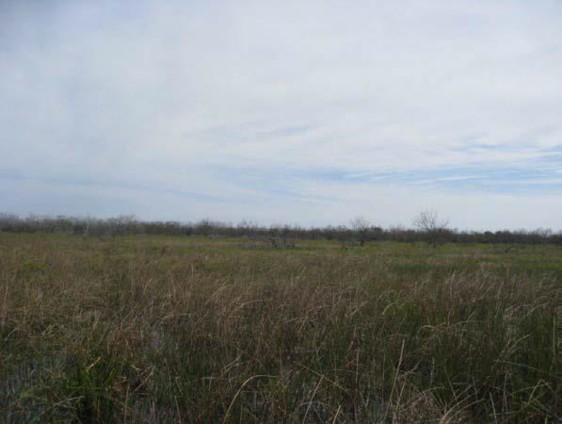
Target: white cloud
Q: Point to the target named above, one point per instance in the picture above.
(164, 94)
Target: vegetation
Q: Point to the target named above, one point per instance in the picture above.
(428, 227)
(193, 329)
(434, 228)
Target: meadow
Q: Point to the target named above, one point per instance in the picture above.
(151, 329)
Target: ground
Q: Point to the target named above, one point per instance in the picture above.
(190, 329)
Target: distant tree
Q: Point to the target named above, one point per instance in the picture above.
(205, 227)
(557, 238)
(361, 228)
(432, 226)
(119, 226)
(8, 221)
(248, 228)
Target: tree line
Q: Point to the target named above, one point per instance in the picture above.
(427, 228)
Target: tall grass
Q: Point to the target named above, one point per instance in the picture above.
(160, 330)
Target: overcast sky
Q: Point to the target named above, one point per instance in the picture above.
(308, 112)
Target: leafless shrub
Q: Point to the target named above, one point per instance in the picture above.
(433, 227)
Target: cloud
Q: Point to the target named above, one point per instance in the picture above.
(223, 109)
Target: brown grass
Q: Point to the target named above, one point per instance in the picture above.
(147, 329)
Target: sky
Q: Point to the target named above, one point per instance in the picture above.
(284, 112)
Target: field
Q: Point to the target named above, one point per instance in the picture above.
(190, 329)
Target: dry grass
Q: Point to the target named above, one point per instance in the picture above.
(187, 330)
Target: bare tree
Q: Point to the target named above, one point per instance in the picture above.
(361, 226)
(434, 227)
(205, 227)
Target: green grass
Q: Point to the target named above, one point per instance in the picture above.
(171, 329)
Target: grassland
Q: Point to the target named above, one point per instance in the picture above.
(187, 329)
